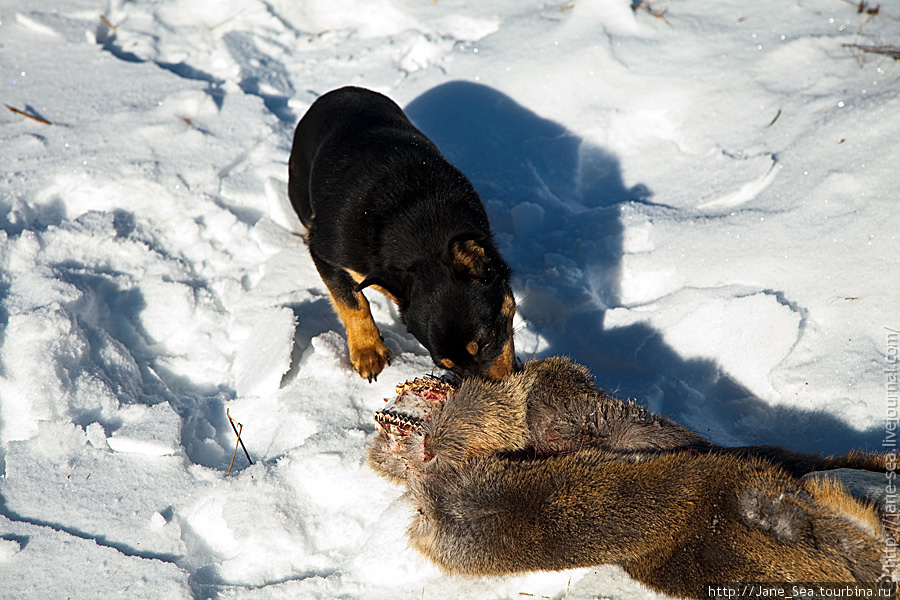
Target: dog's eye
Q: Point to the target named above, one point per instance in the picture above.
(488, 341)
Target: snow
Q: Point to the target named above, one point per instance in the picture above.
(702, 209)
(265, 356)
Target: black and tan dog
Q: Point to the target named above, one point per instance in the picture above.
(383, 208)
(541, 471)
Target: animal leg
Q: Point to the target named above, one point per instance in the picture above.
(368, 354)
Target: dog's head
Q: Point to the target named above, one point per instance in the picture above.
(460, 307)
(465, 310)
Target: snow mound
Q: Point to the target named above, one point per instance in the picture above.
(265, 356)
(152, 431)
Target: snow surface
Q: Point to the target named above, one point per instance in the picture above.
(702, 209)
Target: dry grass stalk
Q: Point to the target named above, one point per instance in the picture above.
(225, 20)
(862, 7)
(237, 431)
(886, 50)
(647, 5)
(107, 22)
(28, 115)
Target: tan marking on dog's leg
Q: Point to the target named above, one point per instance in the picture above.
(503, 366)
(368, 354)
(358, 278)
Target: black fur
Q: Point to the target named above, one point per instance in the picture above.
(377, 198)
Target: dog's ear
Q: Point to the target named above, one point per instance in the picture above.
(391, 281)
(466, 256)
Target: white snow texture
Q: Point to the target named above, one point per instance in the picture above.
(702, 208)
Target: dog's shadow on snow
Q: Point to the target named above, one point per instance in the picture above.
(554, 201)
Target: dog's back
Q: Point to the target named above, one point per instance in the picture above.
(329, 135)
(358, 158)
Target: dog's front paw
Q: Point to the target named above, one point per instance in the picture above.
(369, 356)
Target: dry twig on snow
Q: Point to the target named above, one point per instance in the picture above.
(886, 50)
(26, 114)
(647, 5)
(237, 431)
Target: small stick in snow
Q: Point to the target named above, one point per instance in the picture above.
(237, 432)
(29, 115)
(862, 7)
(647, 5)
(107, 22)
(891, 51)
(226, 20)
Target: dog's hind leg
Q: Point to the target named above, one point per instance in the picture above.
(368, 354)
